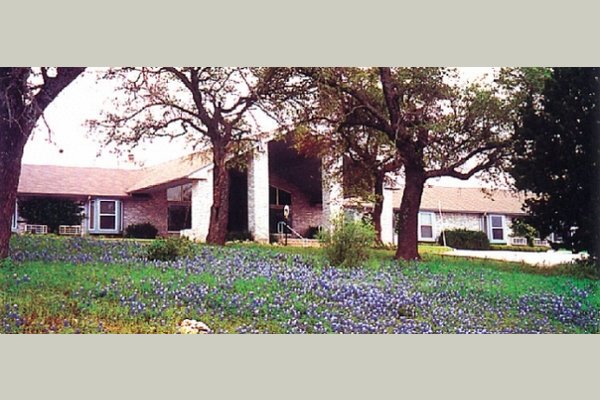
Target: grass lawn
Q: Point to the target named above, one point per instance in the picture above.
(73, 285)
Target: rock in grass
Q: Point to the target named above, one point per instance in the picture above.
(192, 327)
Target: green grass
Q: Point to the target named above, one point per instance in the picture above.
(69, 297)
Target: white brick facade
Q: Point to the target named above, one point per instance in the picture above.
(387, 217)
(258, 193)
(202, 199)
(333, 195)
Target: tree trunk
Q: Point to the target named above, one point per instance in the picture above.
(12, 143)
(219, 212)
(409, 213)
(19, 111)
(378, 206)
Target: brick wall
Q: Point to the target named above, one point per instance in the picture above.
(153, 209)
(304, 214)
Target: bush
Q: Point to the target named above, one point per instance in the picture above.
(347, 245)
(239, 236)
(169, 249)
(313, 232)
(141, 231)
(50, 211)
(465, 239)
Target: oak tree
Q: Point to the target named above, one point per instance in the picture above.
(210, 106)
(25, 93)
(436, 126)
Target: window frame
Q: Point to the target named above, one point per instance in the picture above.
(420, 237)
(95, 216)
(277, 196)
(179, 202)
(170, 204)
(491, 228)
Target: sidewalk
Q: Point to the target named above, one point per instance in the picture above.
(547, 259)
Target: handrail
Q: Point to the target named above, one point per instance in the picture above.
(280, 231)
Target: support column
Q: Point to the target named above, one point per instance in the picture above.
(333, 195)
(258, 193)
(387, 217)
(202, 199)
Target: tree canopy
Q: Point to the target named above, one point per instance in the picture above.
(433, 125)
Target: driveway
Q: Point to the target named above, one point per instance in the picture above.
(547, 259)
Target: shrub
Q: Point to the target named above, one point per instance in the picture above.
(520, 228)
(348, 243)
(169, 249)
(239, 236)
(141, 231)
(313, 232)
(50, 211)
(466, 239)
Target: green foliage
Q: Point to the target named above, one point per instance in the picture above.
(535, 249)
(239, 236)
(50, 211)
(349, 241)
(141, 231)
(522, 229)
(169, 249)
(466, 239)
(556, 155)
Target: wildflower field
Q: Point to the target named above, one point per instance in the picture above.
(94, 286)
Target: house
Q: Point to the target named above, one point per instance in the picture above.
(489, 211)
(176, 197)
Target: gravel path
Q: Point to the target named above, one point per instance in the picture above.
(547, 259)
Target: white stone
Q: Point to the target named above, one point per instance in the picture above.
(258, 193)
(202, 199)
(387, 217)
(191, 326)
(333, 194)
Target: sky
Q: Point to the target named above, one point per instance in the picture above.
(70, 144)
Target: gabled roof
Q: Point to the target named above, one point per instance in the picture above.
(76, 181)
(468, 200)
(110, 182)
(171, 171)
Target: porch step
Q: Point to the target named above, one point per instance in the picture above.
(297, 242)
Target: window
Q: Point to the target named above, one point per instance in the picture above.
(105, 216)
(426, 226)
(496, 233)
(279, 197)
(180, 193)
(180, 217)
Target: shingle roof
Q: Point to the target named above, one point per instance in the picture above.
(171, 170)
(468, 200)
(83, 181)
(58, 180)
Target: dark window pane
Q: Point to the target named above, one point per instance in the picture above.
(107, 222)
(426, 232)
(92, 215)
(497, 234)
(285, 198)
(180, 217)
(107, 207)
(272, 195)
